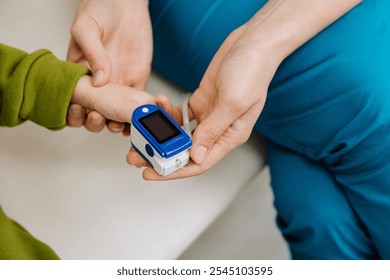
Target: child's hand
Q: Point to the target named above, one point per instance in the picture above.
(113, 101)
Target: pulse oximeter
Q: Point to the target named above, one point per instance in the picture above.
(159, 139)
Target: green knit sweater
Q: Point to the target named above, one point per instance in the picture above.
(36, 87)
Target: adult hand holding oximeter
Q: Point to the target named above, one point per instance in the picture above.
(159, 139)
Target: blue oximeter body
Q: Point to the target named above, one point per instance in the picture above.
(159, 139)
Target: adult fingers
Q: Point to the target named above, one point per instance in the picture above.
(219, 150)
(76, 115)
(115, 127)
(95, 122)
(210, 130)
(86, 35)
(74, 54)
(135, 159)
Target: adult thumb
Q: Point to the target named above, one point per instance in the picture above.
(89, 41)
(209, 131)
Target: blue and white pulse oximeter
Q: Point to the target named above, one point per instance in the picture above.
(159, 139)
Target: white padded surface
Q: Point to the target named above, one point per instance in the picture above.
(74, 190)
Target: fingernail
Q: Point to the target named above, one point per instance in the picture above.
(75, 111)
(97, 121)
(200, 154)
(98, 77)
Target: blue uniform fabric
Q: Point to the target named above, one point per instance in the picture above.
(327, 119)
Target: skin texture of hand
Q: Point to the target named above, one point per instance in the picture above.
(113, 101)
(116, 101)
(224, 117)
(233, 90)
(113, 38)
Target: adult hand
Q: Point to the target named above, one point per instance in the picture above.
(114, 39)
(233, 90)
(226, 105)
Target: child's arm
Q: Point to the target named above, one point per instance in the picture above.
(39, 87)
(36, 87)
(114, 101)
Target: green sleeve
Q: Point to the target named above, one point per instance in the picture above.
(17, 244)
(36, 87)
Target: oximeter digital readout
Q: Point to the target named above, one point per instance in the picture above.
(159, 139)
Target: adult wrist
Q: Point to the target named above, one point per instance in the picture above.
(261, 50)
(274, 45)
(282, 26)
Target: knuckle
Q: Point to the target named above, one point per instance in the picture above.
(243, 139)
(234, 140)
(227, 144)
(83, 22)
(214, 133)
(76, 27)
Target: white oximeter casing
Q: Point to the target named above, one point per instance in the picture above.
(159, 139)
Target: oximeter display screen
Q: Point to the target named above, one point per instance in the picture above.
(160, 127)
